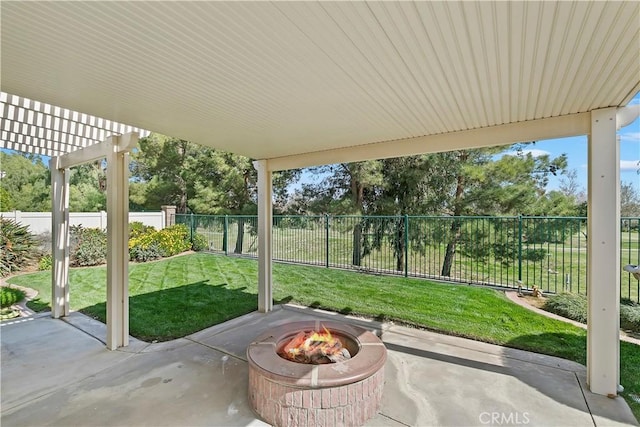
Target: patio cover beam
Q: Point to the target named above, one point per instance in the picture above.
(530, 130)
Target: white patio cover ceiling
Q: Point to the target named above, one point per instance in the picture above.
(274, 79)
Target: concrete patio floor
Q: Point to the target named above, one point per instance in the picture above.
(58, 372)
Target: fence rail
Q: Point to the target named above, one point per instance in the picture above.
(548, 252)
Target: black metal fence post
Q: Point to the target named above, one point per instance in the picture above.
(519, 248)
(326, 239)
(192, 227)
(406, 245)
(225, 235)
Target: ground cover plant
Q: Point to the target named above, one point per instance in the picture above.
(8, 297)
(574, 306)
(178, 296)
(17, 246)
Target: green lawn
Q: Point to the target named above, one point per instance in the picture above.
(181, 295)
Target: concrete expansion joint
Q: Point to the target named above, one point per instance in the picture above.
(66, 320)
(221, 350)
(586, 401)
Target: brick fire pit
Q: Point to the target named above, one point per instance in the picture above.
(286, 393)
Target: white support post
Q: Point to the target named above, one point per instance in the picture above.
(265, 222)
(59, 239)
(603, 286)
(117, 243)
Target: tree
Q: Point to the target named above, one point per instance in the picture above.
(6, 201)
(199, 179)
(412, 185)
(26, 179)
(484, 186)
(346, 189)
(227, 184)
(164, 169)
(570, 187)
(87, 186)
(554, 203)
(360, 177)
(231, 188)
(629, 200)
(457, 183)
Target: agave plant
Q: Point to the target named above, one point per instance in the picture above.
(17, 246)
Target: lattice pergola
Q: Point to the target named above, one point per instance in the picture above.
(296, 84)
(36, 127)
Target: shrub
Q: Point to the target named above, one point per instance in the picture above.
(10, 296)
(43, 242)
(17, 246)
(174, 240)
(166, 242)
(571, 306)
(45, 263)
(140, 254)
(199, 243)
(574, 307)
(629, 315)
(137, 228)
(88, 246)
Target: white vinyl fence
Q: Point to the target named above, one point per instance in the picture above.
(40, 222)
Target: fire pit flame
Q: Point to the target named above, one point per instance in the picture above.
(315, 348)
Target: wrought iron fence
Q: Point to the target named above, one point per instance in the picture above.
(548, 252)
